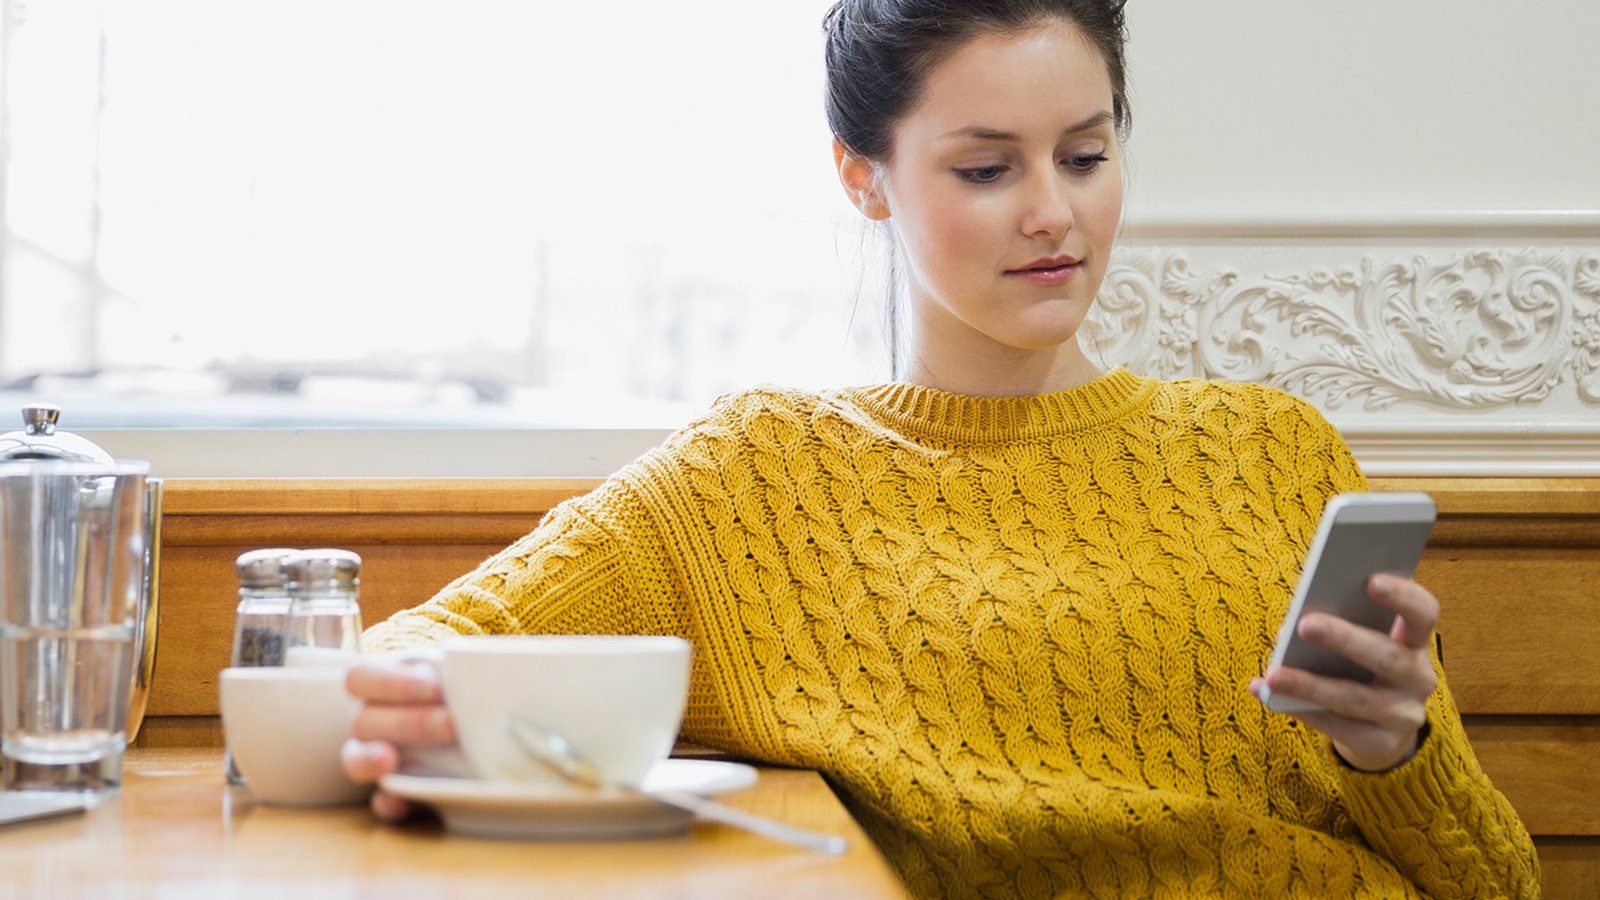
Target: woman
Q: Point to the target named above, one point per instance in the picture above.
(1014, 607)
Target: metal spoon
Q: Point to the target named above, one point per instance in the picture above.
(552, 751)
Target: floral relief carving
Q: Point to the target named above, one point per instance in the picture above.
(1586, 333)
(1481, 329)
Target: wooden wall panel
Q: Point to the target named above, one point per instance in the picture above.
(1545, 765)
(1569, 868)
(1519, 627)
(1515, 563)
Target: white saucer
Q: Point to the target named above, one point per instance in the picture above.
(505, 809)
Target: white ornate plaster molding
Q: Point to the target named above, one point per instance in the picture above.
(1496, 349)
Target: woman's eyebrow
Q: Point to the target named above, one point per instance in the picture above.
(994, 134)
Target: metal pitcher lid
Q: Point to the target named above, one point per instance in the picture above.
(39, 439)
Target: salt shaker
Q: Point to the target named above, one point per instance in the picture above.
(262, 615)
(324, 608)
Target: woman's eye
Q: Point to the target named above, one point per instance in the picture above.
(1083, 165)
(981, 175)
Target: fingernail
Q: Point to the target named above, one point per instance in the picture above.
(362, 755)
(1314, 628)
(1382, 585)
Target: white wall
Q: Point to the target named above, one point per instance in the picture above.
(1388, 207)
(1416, 104)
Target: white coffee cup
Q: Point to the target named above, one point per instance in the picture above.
(617, 700)
(284, 727)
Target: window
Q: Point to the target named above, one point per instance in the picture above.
(492, 214)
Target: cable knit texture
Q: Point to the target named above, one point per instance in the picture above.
(1015, 632)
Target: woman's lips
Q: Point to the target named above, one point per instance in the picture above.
(1047, 274)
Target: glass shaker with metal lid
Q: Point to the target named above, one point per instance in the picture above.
(324, 609)
(260, 619)
(263, 610)
(41, 442)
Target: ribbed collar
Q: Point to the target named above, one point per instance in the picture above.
(925, 413)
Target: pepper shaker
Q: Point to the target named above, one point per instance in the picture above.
(262, 615)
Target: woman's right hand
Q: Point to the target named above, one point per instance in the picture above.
(402, 704)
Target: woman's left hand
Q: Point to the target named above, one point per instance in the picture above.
(1377, 725)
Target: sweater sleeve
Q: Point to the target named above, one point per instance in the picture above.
(1437, 817)
(570, 575)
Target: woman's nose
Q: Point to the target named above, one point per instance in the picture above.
(1049, 209)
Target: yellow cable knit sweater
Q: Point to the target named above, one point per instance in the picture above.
(1016, 632)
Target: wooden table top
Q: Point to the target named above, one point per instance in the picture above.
(177, 829)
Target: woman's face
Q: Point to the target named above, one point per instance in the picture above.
(1004, 190)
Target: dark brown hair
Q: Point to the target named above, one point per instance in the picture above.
(879, 54)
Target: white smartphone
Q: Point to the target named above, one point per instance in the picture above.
(1359, 535)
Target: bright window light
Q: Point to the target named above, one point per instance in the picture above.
(491, 213)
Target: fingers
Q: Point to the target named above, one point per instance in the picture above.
(1361, 745)
(394, 682)
(402, 705)
(365, 762)
(1399, 658)
(1373, 725)
(1417, 608)
(389, 808)
(1392, 662)
(425, 725)
(1377, 704)
(1372, 729)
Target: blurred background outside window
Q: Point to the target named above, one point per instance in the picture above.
(487, 213)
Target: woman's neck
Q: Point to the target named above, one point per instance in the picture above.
(999, 371)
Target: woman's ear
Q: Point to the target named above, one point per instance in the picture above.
(860, 186)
